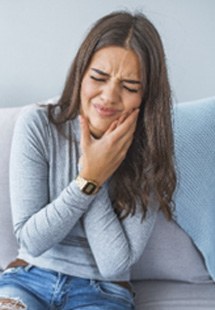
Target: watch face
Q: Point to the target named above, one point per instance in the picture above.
(89, 188)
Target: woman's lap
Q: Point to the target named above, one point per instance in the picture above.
(40, 289)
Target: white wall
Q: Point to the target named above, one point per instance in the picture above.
(38, 39)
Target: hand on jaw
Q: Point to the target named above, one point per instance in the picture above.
(101, 157)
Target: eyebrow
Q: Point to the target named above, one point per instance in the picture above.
(108, 75)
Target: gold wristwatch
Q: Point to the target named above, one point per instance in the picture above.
(88, 187)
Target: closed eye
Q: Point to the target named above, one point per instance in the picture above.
(132, 90)
(97, 79)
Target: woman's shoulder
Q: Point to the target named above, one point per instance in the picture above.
(33, 120)
(34, 113)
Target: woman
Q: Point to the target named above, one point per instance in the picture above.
(88, 173)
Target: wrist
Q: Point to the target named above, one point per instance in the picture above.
(86, 185)
(88, 174)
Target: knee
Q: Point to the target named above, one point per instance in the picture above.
(11, 304)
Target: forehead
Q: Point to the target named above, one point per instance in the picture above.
(117, 61)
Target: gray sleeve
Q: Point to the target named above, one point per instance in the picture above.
(116, 245)
(38, 223)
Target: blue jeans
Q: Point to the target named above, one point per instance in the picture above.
(43, 289)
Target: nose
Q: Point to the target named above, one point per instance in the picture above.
(110, 93)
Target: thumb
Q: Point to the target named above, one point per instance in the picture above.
(85, 132)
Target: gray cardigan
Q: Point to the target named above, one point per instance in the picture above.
(56, 225)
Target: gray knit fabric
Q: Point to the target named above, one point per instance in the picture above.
(56, 225)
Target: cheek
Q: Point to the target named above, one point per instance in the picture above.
(87, 91)
(138, 102)
(133, 102)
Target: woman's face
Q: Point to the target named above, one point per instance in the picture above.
(110, 87)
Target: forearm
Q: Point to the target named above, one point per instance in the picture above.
(116, 245)
(50, 225)
(45, 204)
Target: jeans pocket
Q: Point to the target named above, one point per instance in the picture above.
(115, 292)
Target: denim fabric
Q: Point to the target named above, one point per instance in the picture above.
(43, 289)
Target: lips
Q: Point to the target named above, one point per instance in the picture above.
(105, 111)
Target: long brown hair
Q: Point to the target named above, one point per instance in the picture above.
(149, 164)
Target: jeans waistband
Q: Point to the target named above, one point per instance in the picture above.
(22, 263)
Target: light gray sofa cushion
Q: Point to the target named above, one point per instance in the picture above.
(170, 255)
(7, 239)
(171, 295)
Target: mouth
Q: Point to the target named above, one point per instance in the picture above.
(105, 111)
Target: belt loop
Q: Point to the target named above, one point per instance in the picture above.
(93, 282)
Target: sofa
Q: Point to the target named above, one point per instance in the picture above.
(172, 273)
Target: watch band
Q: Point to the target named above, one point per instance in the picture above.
(88, 187)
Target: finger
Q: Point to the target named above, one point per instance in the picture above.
(85, 132)
(123, 149)
(129, 119)
(122, 118)
(112, 126)
(126, 139)
(116, 123)
(128, 125)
